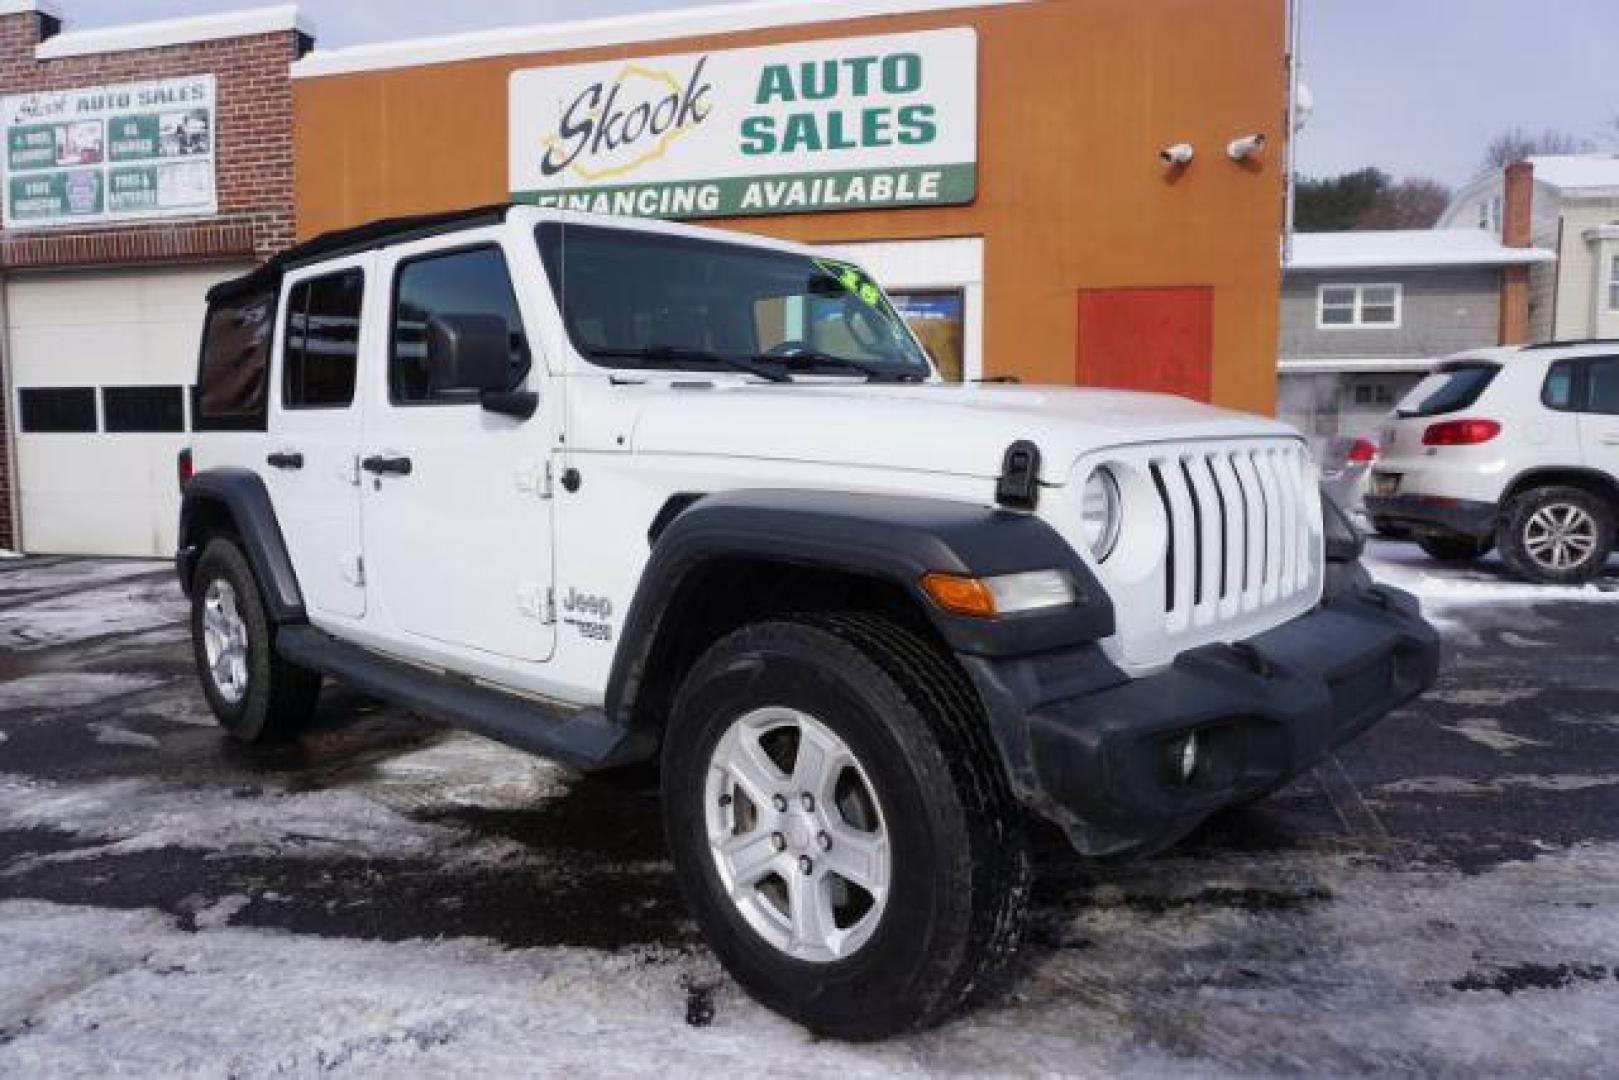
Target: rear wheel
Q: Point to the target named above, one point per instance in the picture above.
(256, 696)
(840, 824)
(1557, 535)
(1455, 549)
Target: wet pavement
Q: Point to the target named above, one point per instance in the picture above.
(389, 895)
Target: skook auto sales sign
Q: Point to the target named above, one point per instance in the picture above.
(105, 154)
(855, 123)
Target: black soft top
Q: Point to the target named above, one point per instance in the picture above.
(267, 276)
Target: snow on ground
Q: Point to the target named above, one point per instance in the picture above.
(78, 574)
(1403, 564)
(1418, 971)
(69, 690)
(377, 815)
(178, 906)
(114, 608)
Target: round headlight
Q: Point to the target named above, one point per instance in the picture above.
(1100, 510)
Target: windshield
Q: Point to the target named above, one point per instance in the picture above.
(640, 299)
(1450, 389)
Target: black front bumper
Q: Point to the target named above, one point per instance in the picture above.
(1434, 515)
(1105, 764)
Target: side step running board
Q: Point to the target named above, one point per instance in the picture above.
(581, 738)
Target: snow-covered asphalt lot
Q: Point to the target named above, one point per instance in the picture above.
(387, 896)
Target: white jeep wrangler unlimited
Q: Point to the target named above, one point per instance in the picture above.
(627, 493)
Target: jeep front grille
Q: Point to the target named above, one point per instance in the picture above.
(1240, 534)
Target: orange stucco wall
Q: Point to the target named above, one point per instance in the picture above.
(1075, 99)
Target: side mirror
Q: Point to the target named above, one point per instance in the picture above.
(468, 353)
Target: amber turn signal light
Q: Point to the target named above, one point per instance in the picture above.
(960, 595)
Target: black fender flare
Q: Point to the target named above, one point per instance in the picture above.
(243, 498)
(895, 539)
(1575, 475)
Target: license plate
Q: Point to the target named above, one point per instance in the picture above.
(1385, 483)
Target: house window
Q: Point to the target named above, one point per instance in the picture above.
(1340, 307)
(1613, 283)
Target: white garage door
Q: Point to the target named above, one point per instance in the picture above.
(101, 362)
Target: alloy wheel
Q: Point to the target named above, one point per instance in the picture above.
(797, 834)
(224, 640)
(1560, 536)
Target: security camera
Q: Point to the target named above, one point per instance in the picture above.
(1246, 147)
(1179, 154)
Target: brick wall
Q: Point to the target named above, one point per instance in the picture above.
(253, 164)
(253, 148)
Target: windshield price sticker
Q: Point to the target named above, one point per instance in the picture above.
(854, 281)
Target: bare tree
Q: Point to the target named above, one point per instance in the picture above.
(1608, 133)
(1414, 203)
(1518, 143)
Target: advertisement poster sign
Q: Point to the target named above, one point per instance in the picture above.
(854, 123)
(108, 154)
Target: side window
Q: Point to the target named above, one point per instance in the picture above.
(322, 341)
(1602, 386)
(472, 281)
(234, 366)
(1558, 391)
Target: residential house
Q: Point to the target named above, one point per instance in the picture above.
(1573, 209)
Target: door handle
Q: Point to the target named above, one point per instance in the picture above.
(386, 466)
(285, 459)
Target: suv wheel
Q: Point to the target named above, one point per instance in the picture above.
(1557, 535)
(841, 826)
(257, 696)
(1454, 549)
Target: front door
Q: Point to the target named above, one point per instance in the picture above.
(457, 514)
(309, 467)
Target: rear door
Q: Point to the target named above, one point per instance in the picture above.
(458, 547)
(310, 465)
(1599, 414)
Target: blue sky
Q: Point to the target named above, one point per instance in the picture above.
(1417, 87)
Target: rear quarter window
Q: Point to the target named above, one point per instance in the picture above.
(1449, 390)
(1558, 392)
(233, 370)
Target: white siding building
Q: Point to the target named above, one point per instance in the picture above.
(1574, 211)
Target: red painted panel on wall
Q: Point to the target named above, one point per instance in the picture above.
(1147, 339)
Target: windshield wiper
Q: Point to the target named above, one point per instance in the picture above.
(809, 358)
(764, 367)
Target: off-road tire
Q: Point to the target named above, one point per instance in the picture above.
(1511, 534)
(1454, 549)
(960, 882)
(280, 698)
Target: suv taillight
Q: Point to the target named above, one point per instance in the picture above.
(183, 468)
(1363, 452)
(1461, 433)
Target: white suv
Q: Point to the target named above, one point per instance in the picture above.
(631, 494)
(1516, 448)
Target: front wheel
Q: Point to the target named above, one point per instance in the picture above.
(841, 826)
(256, 696)
(1557, 535)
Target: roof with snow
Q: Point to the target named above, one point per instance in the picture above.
(1574, 171)
(1407, 248)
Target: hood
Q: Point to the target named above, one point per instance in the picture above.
(940, 428)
